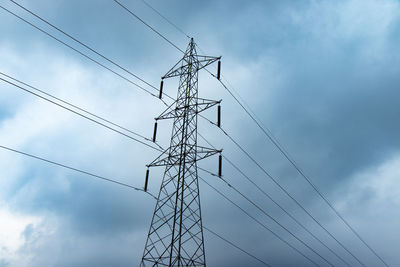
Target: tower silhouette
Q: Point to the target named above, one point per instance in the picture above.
(175, 237)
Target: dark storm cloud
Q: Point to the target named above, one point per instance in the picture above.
(323, 76)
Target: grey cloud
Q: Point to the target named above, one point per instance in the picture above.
(326, 86)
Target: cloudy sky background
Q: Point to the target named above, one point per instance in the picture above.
(321, 75)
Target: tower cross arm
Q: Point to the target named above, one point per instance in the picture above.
(167, 158)
(181, 67)
(204, 61)
(205, 152)
(200, 105)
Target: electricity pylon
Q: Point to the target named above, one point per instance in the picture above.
(176, 236)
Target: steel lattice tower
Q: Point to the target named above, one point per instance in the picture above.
(176, 236)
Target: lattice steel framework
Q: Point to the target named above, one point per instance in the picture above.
(176, 237)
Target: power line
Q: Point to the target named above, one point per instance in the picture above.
(274, 220)
(150, 27)
(73, 169)
(79, 108)
(258, 222)
(289, 195)
(285, 211)
(93, 50)
(232, 244)
(83, 44)
(166, 19)
(89, 48)
(275, 202)
(125, 185)
(293, 163)
(79, 114)
(284, 190)
(79, 52)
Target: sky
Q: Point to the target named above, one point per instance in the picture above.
(322, 76)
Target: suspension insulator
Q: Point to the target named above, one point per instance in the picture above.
(161, 88)
(146, 180)
(155, 132)
(220, 166)
(219, 70)
(219, 116)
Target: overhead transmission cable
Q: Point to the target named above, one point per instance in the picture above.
(285, 211)
(79, 114)
(268, 215)
(253, 218)
(275, 181)
(232, 244)
(276, 203)
(79, 108)
(148, 26)
(308, 180)
(166, 19)
(80, 52)
(91, 49)
(74, 169)
(257, 221)
(273, 219)
(269, 135)
(85, 45)
(125, 185)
